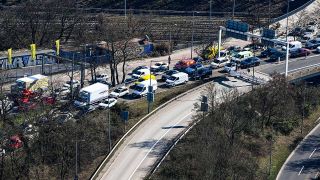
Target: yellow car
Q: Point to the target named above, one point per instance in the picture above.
(145, 77)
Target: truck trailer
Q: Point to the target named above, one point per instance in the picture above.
(91, 96)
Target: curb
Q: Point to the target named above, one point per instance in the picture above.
(105, 161)
(293, 152)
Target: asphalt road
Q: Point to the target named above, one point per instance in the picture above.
(136, 156)
(271, 68)
(304, 162)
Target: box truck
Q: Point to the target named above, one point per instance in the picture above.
(30, 84)
(90, 96)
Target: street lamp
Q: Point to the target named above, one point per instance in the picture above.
(287, 49)
(192, 32)
(125, 8)
(170, 47)
(210, 4)
(233, 8)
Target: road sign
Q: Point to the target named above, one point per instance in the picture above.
(150, 97)
(125, 116)
(204, 107)
(241, 27)
(269, 34)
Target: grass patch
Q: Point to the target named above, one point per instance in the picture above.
(284, 145)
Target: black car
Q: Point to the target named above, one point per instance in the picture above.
(250, 62)
(268, 52)
(277, 55)
(253, 46)
(168, 73)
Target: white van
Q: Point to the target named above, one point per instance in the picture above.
(241, 56)
(293, 46)
(142, 88)
(140, 72)
(176, 79)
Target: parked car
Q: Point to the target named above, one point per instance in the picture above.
(15, 142)
(62, 117)
(108, 103)
(159, 66)
(66, 88)
(306, 38)
(268, 52)
(220, 62)
(176, 79)
(300, 53)
(312, 44)
(191, 69)
(293, 45)
(230, 67)
(141, 72)
(278, 55)
(201, 73)
(102, 77)
(250, 62)
(253, 47)
(138, 68)
(129, 80)
(119, 92)
(167, 74)
(234, 49)
(183, 64)
(241, 56)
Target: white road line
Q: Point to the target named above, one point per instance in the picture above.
(312, 153)
(300, 171)
(316, 176)
(156, 144)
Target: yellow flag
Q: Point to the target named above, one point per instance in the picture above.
(33, 51)
(58, 47)
(10, 56)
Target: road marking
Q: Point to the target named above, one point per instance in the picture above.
(300, 170)
(312, 153)
(156, 144)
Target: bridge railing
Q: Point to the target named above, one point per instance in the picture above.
(292, 12)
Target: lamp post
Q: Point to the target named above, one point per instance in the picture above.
(210, 13)
(192, 32)
(125, 8)
(287, 49)
(170, 38)
(233, 8)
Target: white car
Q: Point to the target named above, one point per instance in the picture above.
(159, 66)
(318, 49)
(102, 77)
(219, 62)
(230, 67)
(119, 92)
(65, 89)
(108, 103)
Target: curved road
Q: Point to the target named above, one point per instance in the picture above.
(136, 156)
(304, 162)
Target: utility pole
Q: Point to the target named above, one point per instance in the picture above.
(125, 9)
(210, 2)
(109, 125)
(233, 8)
(287, 49)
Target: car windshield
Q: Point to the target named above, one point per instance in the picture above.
(216, 61)
(229, 64)
(158, 64)
(139, 88)
(21, 84)
(239, 56)
(84, 96)
(117, 91)
(100, 76)
(138, 72)
(172, 78)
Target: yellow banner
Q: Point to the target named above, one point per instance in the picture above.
(33, 51)
(10, 56)
(58, 47)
